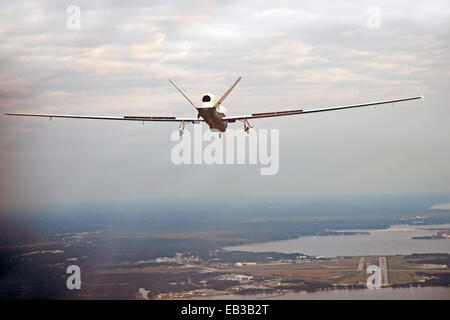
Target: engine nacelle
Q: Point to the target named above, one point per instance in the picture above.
(208, 100)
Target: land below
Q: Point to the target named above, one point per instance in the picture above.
(161, 256)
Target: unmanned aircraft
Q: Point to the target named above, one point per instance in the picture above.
(213, 113)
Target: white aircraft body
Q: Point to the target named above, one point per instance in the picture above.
(213, 113)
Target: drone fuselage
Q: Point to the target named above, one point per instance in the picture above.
(213, 118)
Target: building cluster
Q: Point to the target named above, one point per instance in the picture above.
(179, 258)
(443, 234)
(235, 277)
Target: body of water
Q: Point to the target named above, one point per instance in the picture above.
(395, 240)
(414, 293)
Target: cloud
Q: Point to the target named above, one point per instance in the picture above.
(442, 206)
(309, 54)
(278, 12)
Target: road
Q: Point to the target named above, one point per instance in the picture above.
(382, 262)
(361, 264)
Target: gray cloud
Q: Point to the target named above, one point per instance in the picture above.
(312, 54)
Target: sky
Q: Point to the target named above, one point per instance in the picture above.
(290, 54)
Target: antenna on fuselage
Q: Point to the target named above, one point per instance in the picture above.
(182, 93)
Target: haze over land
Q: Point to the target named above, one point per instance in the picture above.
(122, 247)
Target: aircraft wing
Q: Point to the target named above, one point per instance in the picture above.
(301, 111)
(126, 118)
